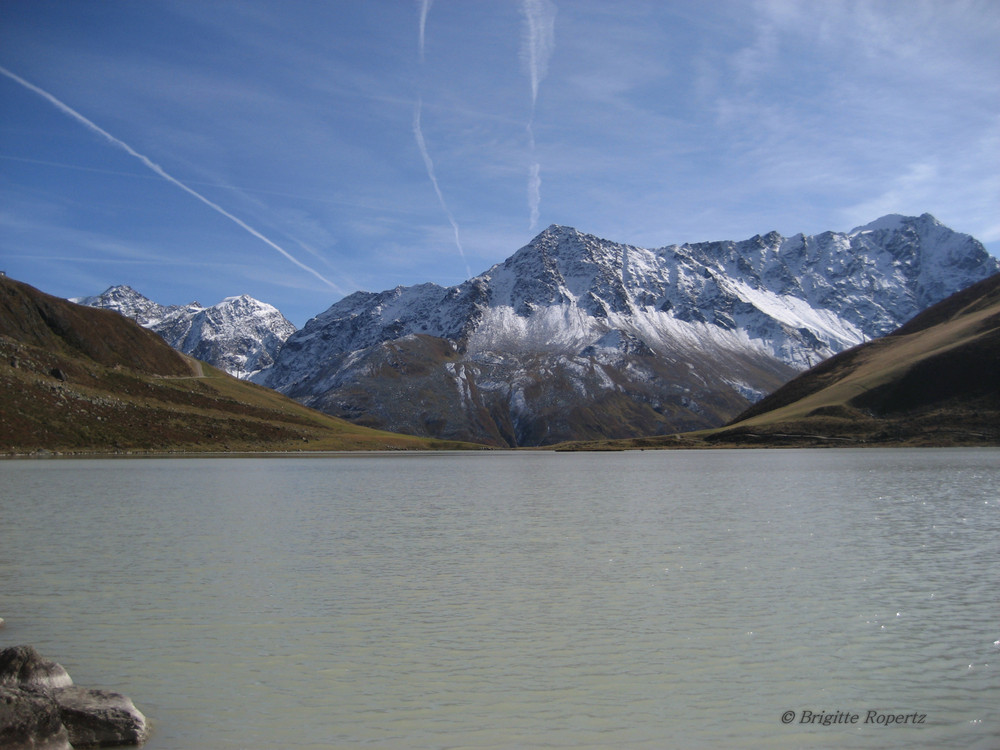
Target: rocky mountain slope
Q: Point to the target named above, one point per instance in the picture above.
(933, 381)
(79, 379)
(240, 335)
(576, 337)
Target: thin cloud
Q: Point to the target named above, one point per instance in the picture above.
(76, 167)
(157, 169)
(538, 42)
(243, 191)
(877, 130)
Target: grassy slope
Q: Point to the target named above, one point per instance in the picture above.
(75, 379)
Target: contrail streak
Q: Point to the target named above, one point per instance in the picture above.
(539, 41)
(536, 49)
(425, 6)
(418, 133)
(66, 109)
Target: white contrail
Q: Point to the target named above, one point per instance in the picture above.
(66, 109)
(418, 133)
(539, 41)
(536, 49)
(425, 6)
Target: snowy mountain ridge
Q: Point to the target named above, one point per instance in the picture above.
(566, 289)
(673, 337)
(240, 334)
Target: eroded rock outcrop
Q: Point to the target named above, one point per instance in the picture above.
(41, 709)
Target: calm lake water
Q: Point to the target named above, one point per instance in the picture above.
(520, 600)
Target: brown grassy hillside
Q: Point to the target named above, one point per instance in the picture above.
(79, 379)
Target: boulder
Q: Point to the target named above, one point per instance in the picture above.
(23, 666)
(99, 718)
(41, 709)
(30, 721)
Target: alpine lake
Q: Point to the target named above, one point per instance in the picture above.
(841, 598)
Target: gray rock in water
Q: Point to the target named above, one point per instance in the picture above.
(99, 718)
(41, 709)
(23, 666)
(30, 720)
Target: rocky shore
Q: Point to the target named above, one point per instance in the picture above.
(41, 708)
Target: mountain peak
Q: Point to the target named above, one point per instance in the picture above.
(120, 289)
(892, 222)
(558, 229)
(240, 334)
(246, 303)
(557, 234)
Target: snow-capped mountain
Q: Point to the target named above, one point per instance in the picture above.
(575, 336)
(240, 335)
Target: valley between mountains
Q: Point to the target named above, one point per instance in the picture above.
(578, 338)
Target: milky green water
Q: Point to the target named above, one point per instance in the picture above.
(520, 600)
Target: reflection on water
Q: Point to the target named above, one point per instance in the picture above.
(528, 600)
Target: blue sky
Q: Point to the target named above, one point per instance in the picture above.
(301, 150)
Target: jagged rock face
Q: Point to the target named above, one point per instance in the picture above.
(577, 337)
(240, 335)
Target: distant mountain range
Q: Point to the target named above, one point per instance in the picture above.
(576, 337)
(240, 335)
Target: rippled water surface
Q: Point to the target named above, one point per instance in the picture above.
(519, 600)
